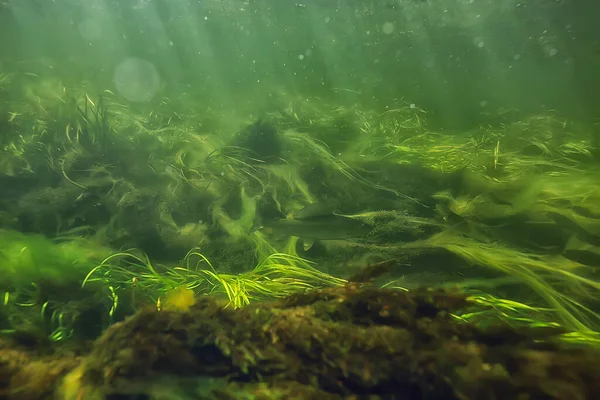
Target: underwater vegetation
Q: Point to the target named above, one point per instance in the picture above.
(288, 256)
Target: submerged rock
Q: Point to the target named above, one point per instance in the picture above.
(353, 342)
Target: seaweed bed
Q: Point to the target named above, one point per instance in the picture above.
(351, 342)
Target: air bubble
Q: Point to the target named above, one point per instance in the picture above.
(137, 80)
(388, 28)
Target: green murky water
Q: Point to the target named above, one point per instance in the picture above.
(155, 151)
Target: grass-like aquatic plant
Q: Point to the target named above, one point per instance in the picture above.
(489, 310)
(560, 282)
(277, 275)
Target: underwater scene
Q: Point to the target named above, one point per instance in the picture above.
(299, 199)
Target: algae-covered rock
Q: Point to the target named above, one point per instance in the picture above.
(353, 342)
